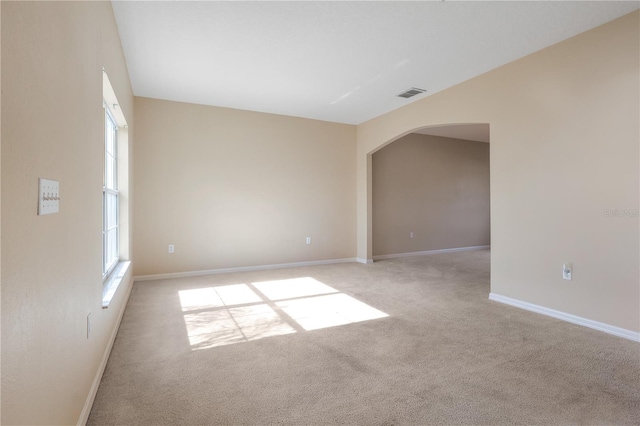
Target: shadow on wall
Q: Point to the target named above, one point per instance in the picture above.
(430, 190)
(228, 314)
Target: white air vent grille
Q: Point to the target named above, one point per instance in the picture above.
(411, 92)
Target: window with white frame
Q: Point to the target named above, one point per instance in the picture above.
(110, 196)
(115, 194)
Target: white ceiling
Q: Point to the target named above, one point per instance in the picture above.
(336, 61)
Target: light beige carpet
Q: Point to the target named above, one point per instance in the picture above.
(266, 348)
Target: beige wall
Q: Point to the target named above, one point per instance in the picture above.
(52, 126)
(564, 149)
(233, 188)
(435, 187)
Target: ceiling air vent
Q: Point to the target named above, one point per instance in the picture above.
(411, 92)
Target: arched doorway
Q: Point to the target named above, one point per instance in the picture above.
(369, 147)
(430, 192)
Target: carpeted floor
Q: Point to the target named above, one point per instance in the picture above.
(404, 341)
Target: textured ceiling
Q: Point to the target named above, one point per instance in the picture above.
(336, 61)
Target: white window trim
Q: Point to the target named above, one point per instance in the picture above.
(108, 269)
(117, 271)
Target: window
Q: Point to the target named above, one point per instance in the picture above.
(110, 196)
(116, 231)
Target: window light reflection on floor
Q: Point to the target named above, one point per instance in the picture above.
(213, 297)
(295, 287)
(328, 311)
(221, 327)
(224, 315)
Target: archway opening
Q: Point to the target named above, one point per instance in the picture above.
(431, 191)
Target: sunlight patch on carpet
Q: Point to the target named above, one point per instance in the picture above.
(214, 297)
(291, 288)
(209, 329)
(329, 311)
(224, 315)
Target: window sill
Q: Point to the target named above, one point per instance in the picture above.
(113, 282)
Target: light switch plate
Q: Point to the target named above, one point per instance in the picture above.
(48, 196)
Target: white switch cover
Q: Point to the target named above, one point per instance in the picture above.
(48, 196)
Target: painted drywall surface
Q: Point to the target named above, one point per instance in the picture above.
(52, 126)
(564, 151)
(231, 188)
(436, 188)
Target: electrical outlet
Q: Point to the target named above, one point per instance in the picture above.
(308, 240)
(411, 234)
(89, 325)
(171, 248)
(566, 271)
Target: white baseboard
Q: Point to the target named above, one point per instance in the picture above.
(365, 261)
(616, 331)
(422, 253)
(241, 269)
(86, 410)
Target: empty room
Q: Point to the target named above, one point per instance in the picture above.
(318, 213)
